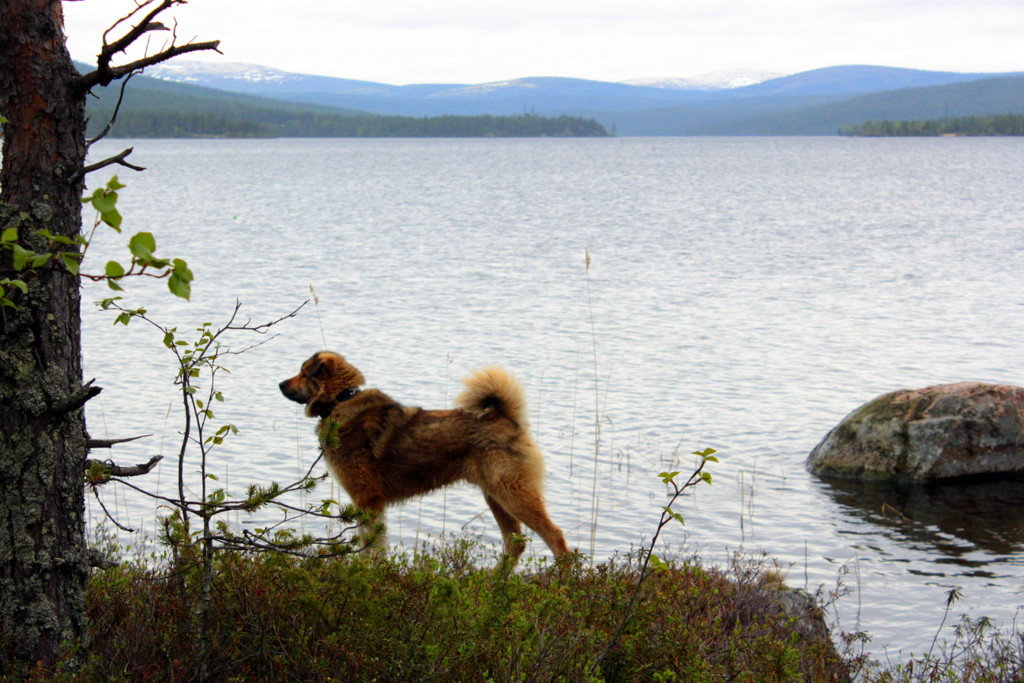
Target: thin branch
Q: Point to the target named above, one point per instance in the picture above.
(107, 513)
(113, 117)
(107, 443)
(139, 5)
(262, 328)
(75, 400)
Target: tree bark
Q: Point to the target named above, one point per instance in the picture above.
(43, 564)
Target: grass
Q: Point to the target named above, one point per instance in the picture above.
(441, 617)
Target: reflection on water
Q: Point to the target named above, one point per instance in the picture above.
(983, 515)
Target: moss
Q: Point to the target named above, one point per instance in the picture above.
(891, 406)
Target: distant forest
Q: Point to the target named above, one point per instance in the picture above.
(1003, 124)
(199, 124)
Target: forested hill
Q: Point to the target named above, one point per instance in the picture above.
(1006, 124)
(171, 123)
(155, 108)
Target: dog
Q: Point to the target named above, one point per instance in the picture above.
(382, 452)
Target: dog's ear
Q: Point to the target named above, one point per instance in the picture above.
(314, 366)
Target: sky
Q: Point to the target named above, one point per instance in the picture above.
(476, 41)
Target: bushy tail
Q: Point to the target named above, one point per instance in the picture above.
(495, 389)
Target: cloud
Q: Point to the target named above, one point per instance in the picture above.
(405, 41)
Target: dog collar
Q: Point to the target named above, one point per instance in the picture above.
(324, 410)
(346, 394)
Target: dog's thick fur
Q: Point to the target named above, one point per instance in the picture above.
(382, 452)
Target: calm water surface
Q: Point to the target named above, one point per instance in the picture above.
(743, 294)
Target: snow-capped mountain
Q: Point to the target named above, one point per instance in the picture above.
(715, 80)
(254, 79)
(185, 71)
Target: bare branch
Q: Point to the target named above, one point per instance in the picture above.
(109, 74)
(116, 159)
(110, 469)
(107, 443)
(262, 327)
(75, 399)
(113, 117)
(107, 513)
(105, 73)
(145, 25)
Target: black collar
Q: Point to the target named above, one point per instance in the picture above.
(346, 394)
(324, 409)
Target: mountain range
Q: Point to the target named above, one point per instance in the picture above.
(816, 102)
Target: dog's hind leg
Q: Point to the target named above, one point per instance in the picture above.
(526, 505)
(511, 530)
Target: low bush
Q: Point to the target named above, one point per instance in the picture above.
(440, 617)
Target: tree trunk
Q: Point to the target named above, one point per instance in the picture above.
(42, 442)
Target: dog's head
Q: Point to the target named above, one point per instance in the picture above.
(324, 380)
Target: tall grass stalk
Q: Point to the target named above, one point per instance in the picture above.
(320, 320)
(597, 413)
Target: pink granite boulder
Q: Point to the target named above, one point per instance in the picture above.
(947, 431)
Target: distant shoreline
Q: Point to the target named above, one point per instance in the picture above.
(1001, 125)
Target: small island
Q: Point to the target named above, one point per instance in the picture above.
(998, 125)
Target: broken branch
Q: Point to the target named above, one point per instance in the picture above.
(107, 443)
(104, 469)
(116, 159)
(75, 399)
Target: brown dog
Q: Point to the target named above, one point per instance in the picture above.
(382, 452)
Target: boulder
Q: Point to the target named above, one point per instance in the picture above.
(941, 432)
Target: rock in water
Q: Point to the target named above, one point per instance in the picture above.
(941, 432)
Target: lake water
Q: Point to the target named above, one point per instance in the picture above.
(743, 294)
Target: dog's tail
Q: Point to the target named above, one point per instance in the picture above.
(494, 389)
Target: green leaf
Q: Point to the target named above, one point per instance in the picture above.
(114, 269)
(17, 284)
(169, 340)
(9, 235)
(112, 218)
(705, 477)
(124, 319)
(70, 262)
(21, 256)
(666, 477)
(142, 245)
(180, 286)
(40, 260)
(4, 119)
(115, 184)
(706, 453)
(674, 515)
(104, 201)
(658, 563)
(114, 286)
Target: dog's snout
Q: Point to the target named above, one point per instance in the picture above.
(282, 386)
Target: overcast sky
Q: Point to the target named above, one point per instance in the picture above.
(473, 41)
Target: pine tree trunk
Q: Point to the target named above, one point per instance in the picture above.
(42, 448)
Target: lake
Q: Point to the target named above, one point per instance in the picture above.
(743, 294)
